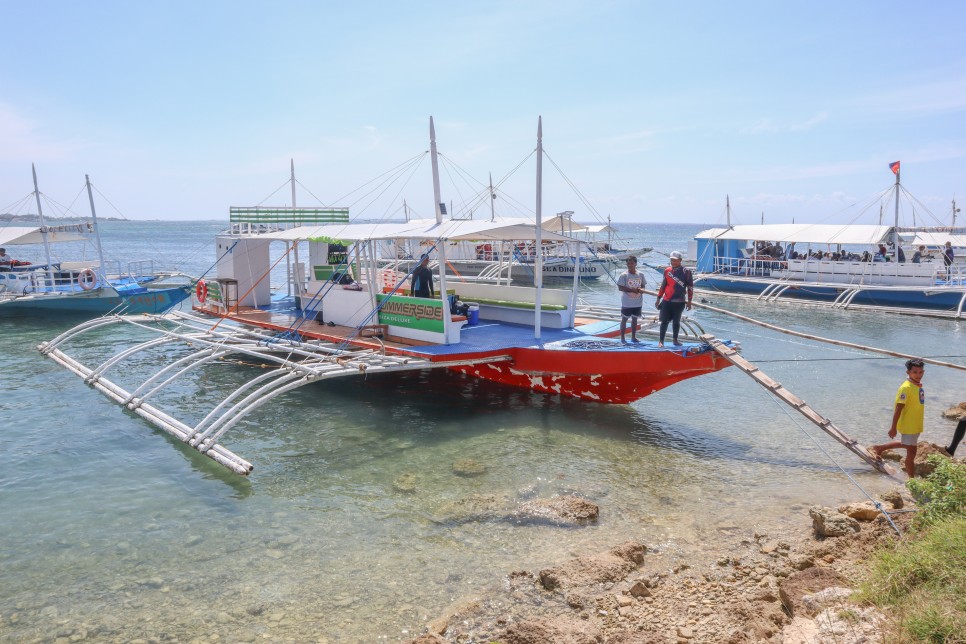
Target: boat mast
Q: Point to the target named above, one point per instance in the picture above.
(493, 198)
(728, 210)
(295, 244)
(538, 261)
(895, 230)
(43, 224)
(955, 210)
(97, 231)
(439, 220)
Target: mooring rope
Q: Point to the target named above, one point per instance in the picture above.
(878, 505)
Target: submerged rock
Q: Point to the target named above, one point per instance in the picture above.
(405, 482)
(467, 467)
(564, 510)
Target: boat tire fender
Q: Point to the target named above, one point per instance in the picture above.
(201, 291)
(87, 279)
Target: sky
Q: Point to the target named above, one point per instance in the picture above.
(651, 111)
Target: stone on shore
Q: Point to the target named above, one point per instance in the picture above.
(806, 582)
(925, 450)
(560, 630)
(860, 511)
(830, 523)
(558, 510)
(956, 412)
(610, 566)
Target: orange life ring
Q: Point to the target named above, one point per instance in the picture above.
(201, 291)
(87, 279)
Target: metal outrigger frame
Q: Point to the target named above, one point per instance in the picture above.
(297, 362)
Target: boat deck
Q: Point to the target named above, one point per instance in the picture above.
(485, 338)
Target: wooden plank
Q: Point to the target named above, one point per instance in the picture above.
(776, 388)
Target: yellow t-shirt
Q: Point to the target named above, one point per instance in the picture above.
(911, 419)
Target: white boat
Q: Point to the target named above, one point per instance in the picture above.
(837, 264)
(85, 287)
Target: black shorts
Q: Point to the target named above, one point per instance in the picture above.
(630, 311)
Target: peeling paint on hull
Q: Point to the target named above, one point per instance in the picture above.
(618, 378)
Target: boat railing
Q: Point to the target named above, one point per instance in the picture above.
(141, 268)
(749, 266)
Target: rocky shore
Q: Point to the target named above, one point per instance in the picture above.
(791, 585)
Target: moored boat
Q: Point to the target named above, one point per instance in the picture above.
(349, 315)
(843, 265)
(81, 287)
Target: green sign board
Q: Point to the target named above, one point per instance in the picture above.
(411, 312)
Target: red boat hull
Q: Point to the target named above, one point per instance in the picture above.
(618, 377)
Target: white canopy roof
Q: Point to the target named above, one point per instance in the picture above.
(600, 228)
(460, 230)
(561, 224)
(935, 239)
(802, 233)
(20, 235)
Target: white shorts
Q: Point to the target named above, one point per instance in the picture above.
(909, 439)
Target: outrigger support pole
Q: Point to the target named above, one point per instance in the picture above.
(797, 404)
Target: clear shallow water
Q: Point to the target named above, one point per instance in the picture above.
(113, 531)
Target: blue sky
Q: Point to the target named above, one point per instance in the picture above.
(654, 111)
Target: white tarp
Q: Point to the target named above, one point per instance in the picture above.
(934, 239)
(21, 235)
(803, 233)
(460, 230)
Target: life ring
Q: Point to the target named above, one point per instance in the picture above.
(201, 291)
(87, 279)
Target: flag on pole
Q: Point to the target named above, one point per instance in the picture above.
(894, 166)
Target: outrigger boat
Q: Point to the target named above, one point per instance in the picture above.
(847, 274)
(349, 315)
(81, 287)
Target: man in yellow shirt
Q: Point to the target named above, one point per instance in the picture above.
(907, 419)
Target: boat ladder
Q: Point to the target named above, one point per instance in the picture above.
(779, 391)
(184, 343)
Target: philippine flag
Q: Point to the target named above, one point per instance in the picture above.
(894, 166)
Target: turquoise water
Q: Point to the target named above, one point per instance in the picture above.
(114, 532)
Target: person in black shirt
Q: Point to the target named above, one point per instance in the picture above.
(423, 279)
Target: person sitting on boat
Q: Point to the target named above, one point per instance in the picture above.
(882, 255)
(6, 261)
(631, 286)
(675, 294)
(948, 256)
(422, 280)
(918, 255)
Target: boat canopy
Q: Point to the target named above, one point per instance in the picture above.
(931, 238)
(561, 224)
(600, 228)
(458, 230)
(24, 235)
(803, 233)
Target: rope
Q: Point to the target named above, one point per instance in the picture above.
(817, 338)
(796, 422)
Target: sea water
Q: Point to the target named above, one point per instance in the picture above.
(112, 531)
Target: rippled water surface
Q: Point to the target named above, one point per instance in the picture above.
(112, 531)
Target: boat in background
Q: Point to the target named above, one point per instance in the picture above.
(84, 287)
(838, 264)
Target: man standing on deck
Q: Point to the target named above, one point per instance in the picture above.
(631, 286)
(907, 418)
(675, 294)
(423, 279)
(5, 260)
(948, 256)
